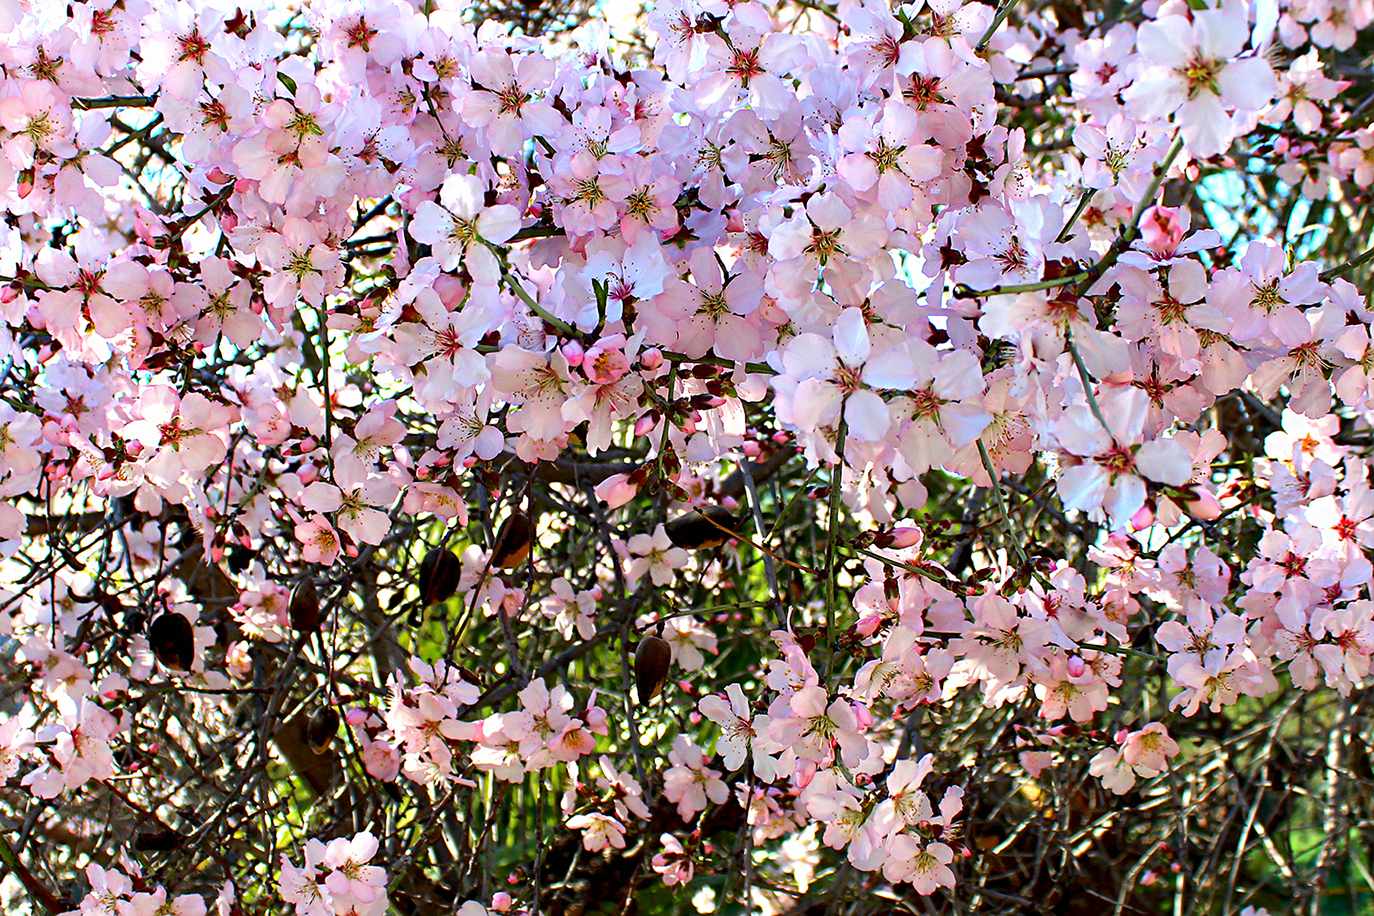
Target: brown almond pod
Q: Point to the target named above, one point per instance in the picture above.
(513, 541)
(320, 728)
(161, 840)
(700, 529)
(652, 661)
(304, 609)
(238, 558)
(173, 641)
(440, 572)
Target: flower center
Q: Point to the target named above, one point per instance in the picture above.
(1117, 460)
(511, 100)
(1201, 75)
(744, 66)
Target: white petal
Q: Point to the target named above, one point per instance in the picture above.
(1207, 127)
(431, 223)
(499, 223)
(1083, 486)
(1168, 41)
(462, 194)
(1248, 84)
(851, 337)
(891, 367)
(867, 416)
(1165, 461)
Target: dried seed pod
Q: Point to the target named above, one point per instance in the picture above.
(513, 541)
(321, 727)
(700, 529)
(161, 840)
(304, 609)
(237, 558)
(440, 572)
(653, 658)
(173, 640)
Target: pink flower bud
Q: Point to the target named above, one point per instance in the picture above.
(616, 490)
(355, 716)
(905, 536)
(573, 353)
(1076, 666)
(651, 358)
(1144, 517)
(751, 449)
(500, 902)
(645, 424)
(1162, 229)
(1205, 508)
(868, 625)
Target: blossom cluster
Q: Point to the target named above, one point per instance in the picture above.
(305, 287)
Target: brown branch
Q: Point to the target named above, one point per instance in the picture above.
(36, 888)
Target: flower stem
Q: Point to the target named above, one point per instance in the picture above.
(1077, 212)
(1126, 237)
(995, 480)
(1002, 10)
(563, 327)
(114, 101)
(37, 891)
(1087, 383)
(963, 292)
(836, 484)
(1341, 269)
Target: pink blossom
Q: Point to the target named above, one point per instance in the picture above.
(318, 539)
(1194, 71)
